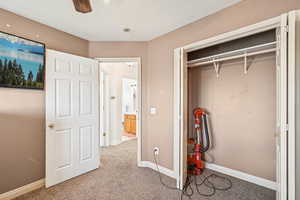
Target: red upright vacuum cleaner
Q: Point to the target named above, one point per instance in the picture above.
(198, 144)
(195, 156)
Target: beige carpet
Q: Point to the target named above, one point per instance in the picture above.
(120, 179)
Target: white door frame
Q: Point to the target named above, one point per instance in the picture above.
(101, 106)
(139, 99)
(179, 78)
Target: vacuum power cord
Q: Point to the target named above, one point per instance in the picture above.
(188, 190)
(186, 187)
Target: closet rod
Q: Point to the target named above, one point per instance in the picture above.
(232, 57)
(248, 49)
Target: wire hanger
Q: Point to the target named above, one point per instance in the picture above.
(217, 68)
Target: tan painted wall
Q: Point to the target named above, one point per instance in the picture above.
(22, 143)
(242, 113)
(160, 57)
(128, 49)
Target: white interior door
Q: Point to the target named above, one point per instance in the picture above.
(102, 119)
(183, 115)
(293, 104)
(282, 109)
(72, 116)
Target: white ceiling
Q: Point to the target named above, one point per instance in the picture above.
(147, 19)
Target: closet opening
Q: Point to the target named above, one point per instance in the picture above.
(236, 84)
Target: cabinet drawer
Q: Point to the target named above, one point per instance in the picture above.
(130, 116)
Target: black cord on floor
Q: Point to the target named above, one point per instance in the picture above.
(188, 189)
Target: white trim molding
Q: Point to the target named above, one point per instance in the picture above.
(243, 176)
(162, 169)
(22, 190)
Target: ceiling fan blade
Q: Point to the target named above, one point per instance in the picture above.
(83, 6)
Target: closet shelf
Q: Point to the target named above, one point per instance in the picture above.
(240, 53)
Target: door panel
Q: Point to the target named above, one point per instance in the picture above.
(63, 101)
(85, 69)
(184, 118)
(295, 163)
(282, 120)
(63, 148)
(86, 140)
(63, 160)
(88, 147)
(86, 97)
(62, 66)
(293, 105)
(72, 133)
(184, 113)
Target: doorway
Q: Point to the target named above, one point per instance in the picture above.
(120, 102)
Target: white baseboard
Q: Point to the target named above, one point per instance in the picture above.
(163, 170)
(22, 190)
(243, 176)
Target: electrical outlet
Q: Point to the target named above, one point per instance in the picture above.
(156, 150)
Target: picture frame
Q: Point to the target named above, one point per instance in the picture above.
(22, 62)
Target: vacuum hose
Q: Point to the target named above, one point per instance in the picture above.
(206, 134)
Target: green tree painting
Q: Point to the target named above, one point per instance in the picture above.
(12, 75)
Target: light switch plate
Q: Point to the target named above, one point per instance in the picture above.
(152, 110)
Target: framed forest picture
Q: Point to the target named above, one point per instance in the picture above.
(22, 62)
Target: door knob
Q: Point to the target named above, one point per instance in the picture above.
(51, 126)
